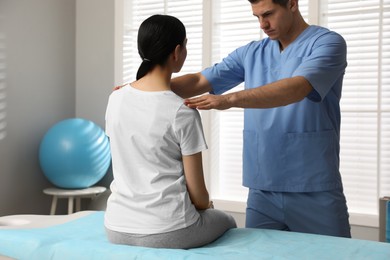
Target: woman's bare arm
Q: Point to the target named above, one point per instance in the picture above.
(190, 85)
(193, 171)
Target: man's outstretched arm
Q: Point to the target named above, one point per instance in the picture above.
(276, 94)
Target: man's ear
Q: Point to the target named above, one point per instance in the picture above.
(293, 5)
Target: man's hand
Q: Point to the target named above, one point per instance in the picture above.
(207, 102)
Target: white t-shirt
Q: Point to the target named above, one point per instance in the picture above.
(149, 132)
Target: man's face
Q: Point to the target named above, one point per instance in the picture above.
(275, 20)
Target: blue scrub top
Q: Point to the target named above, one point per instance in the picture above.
(294, 148)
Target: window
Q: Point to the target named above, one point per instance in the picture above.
(136, 11)
(365, 105)
(233, 26)
(217, 27)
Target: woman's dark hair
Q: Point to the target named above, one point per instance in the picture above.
(158, 36)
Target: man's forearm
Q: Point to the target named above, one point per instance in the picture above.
(276, 94)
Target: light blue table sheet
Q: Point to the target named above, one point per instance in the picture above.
(84, 238)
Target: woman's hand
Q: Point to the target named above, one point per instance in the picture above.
(119, 87)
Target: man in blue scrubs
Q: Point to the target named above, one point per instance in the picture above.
(293, 81)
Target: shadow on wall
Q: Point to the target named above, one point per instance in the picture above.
(2, 80)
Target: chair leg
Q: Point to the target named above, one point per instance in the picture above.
(70, 205)
(53, 206)
(78, 204)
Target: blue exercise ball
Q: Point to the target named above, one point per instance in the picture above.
(74, 154)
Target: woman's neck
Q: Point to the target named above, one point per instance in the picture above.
(159, 79)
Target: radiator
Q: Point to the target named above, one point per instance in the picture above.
(384, 219)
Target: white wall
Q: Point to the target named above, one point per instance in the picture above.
(95, 57)
(40, 90)
(98, 66)
(59, 64)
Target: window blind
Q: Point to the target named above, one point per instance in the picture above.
(233, 26)
(384, 44)
(365, 131)
(190, 12)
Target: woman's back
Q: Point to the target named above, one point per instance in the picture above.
(149, 132)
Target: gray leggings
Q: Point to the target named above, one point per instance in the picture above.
(211, 225)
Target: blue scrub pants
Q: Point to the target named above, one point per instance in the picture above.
(322, 213)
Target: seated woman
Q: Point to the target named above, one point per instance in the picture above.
(159, 198)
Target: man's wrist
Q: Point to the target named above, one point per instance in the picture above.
(231, 100)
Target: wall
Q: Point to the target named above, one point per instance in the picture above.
(59, 64)
(95, 57)
(39, 38)
(98, 64)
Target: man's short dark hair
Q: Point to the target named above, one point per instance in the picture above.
(279, 2)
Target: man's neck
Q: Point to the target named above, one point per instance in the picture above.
(293, 34)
